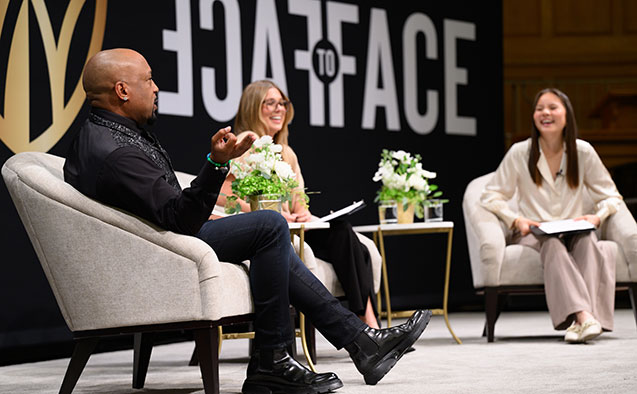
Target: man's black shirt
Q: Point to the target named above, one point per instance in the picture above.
(118, 163)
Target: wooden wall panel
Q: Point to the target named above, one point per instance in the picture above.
(585, 48)
(629, 11)
(523, 18)
(581, 17)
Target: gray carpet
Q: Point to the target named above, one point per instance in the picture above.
(528, 356)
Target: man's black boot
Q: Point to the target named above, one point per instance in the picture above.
(275, 371)
(375, 352)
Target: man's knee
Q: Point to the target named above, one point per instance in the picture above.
(271, 220)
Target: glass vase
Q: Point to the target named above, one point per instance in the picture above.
(265, 201)
(387, 212)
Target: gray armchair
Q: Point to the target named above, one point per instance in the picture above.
(499, 269)
(113, 273)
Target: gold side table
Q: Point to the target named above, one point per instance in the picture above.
(381, 230)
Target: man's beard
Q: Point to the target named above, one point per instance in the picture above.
(153, 118)
(153, 115)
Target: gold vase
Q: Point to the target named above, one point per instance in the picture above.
(405, 215)
(265, 201)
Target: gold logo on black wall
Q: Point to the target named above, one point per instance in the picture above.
(15, 124)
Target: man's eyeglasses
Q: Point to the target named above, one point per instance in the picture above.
(272, 104)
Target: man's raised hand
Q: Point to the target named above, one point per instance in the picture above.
(225, 146)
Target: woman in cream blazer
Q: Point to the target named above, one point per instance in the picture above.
(551, 172)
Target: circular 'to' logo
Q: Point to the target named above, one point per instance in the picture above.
(325, 61)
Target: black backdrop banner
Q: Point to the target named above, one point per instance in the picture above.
(425, 77)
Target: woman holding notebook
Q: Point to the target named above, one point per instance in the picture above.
(554, 173)
(265, 110)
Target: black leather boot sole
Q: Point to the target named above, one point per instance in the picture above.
(264, 384)
(387, 362)
(275, 371)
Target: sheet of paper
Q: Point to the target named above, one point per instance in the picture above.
(562, 226)
(348, 209)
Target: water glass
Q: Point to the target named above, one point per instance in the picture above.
(433, 210)
(387, 212)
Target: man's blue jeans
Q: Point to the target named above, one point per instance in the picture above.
(278, 278)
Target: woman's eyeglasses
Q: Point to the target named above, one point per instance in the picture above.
(272, 104)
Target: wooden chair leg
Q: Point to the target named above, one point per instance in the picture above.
(193, 359)
(143, 346)
(632, 292)
(207, 346)
(491, 310)
(83, 350)
(499, 306)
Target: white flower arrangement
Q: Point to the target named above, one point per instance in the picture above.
(404, 180)
(262, 172)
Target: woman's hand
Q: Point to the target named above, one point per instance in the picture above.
(524, 225)
(304, 216)
(300, 217)
(594, 219)
(290, 217)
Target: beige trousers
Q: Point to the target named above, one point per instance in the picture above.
(579, 275)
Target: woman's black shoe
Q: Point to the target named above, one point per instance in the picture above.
(375, 352)
(274, 371)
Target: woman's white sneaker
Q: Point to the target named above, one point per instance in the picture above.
(573, 333)
(591, 329)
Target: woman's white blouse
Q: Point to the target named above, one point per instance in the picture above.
(554, 199)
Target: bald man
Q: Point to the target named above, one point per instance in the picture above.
(116, 160)
(128, 73)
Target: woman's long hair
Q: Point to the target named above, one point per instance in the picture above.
(569, 135)
(249, 114)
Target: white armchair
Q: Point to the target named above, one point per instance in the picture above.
(113, 273)
(499, 269)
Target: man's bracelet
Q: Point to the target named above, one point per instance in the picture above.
(214, 163)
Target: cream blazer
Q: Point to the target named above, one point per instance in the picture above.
(553, 199)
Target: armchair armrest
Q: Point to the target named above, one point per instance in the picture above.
(375, 258)
(308, 254)
(622, 228)
(487, 241)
